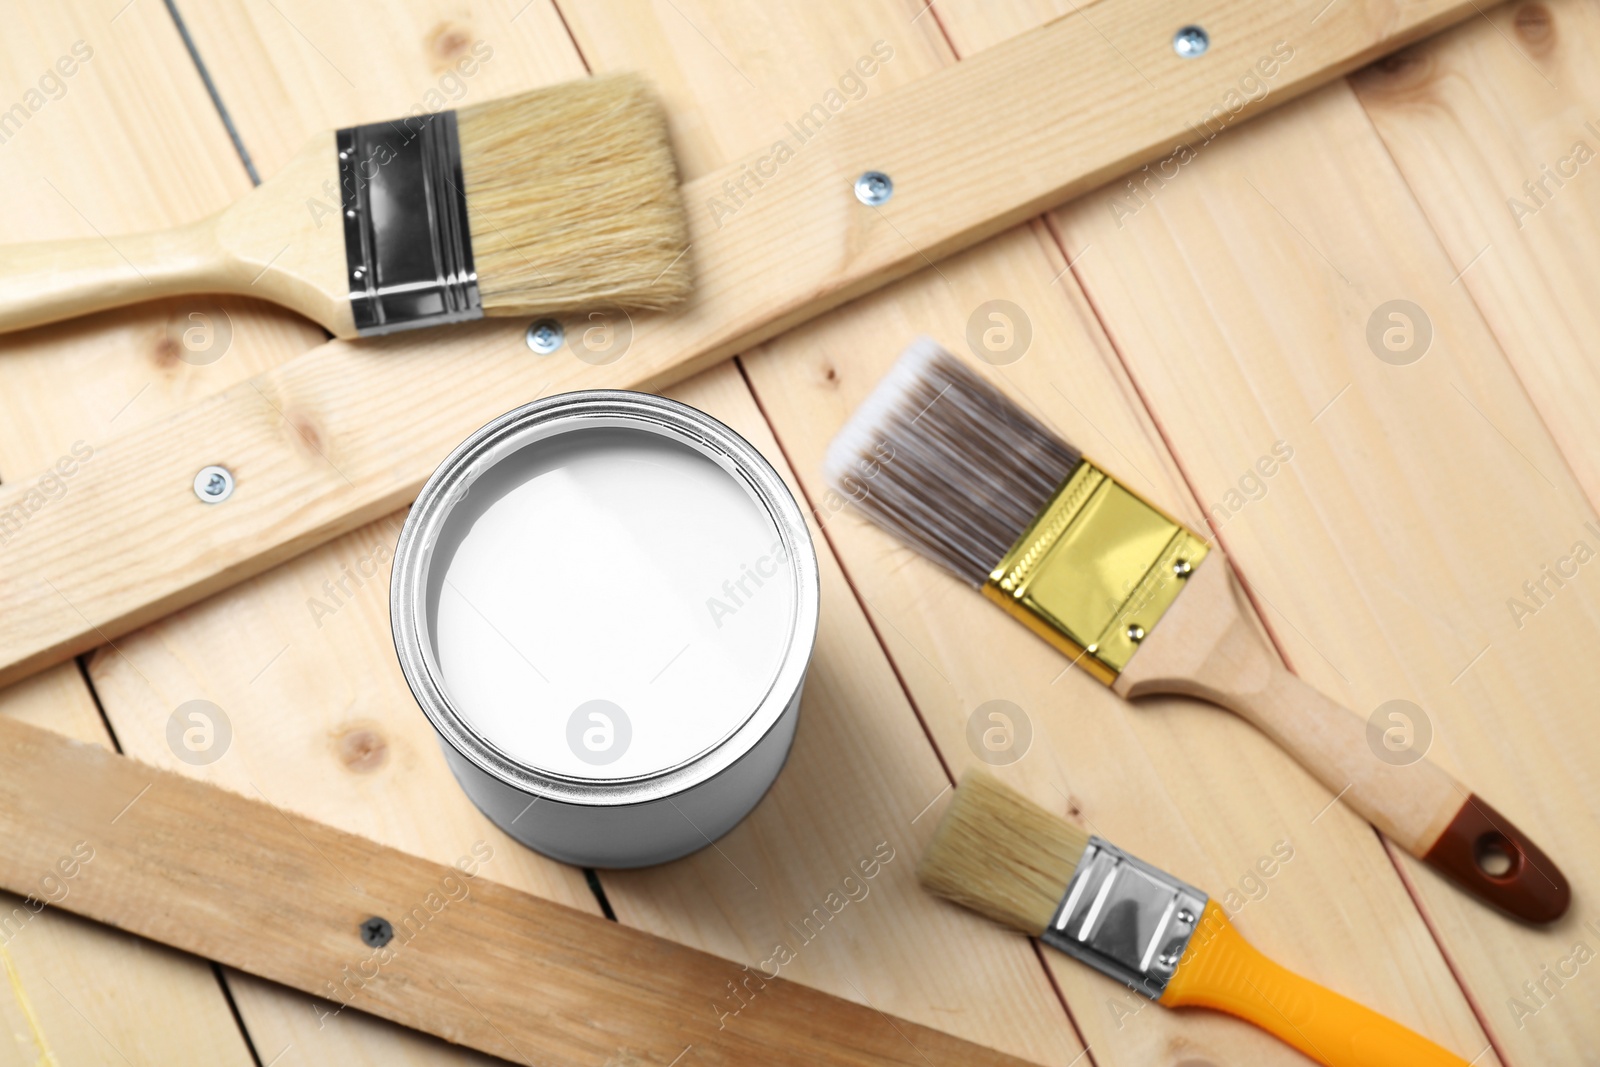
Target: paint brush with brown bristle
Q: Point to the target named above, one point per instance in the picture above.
(943, 460)
(1003, 856)
(558, 199)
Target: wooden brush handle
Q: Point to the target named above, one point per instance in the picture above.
(1207, 646)
(283, 241)
(53, 280)
(1223, 972)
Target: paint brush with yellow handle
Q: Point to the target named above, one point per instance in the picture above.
(1005, 857)
(972, 481)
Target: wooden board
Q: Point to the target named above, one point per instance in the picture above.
(845, 798)
(76, 992)
(1124, 771)
(1197, 288)
(237, 879)
(319, 445)
(1483, 124)
(1382, 556)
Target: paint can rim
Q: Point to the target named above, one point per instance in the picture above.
(525, 426)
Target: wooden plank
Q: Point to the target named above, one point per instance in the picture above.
(1494, 127)
(861, 771)
(1471, 122)
(323, 726)
(332, 440)
(77, 992)
(1383, 555)
(1141, 776)
(470, 960)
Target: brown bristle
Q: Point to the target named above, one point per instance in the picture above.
(947, 463)
(573, 201)
(1000, 854)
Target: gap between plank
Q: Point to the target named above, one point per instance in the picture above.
(211, 89)
(227, 995)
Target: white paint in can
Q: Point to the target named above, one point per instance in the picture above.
(605, 603)
(618, 576)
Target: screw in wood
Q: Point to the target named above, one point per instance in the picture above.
(545, 336)
(874, 188)
(1191, 41)
(377, 931)
(213, 484)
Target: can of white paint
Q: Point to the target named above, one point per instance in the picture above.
(605, 602)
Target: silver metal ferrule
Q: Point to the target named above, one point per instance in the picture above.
(1125, 918)
(407, 245)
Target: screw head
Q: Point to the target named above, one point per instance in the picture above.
(1167, 959)
(377, 931)
(1135, 633)
(1191, 41)
(1185, 916)
(874, 188)
(545, 336)
(213, 484)
(1182, 568)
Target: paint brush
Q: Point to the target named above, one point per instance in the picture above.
(981, 487)
(562, 198)
(1000, 854)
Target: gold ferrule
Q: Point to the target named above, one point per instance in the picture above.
(1096, 571)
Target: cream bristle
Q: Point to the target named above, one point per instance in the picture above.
(946, 462)
(573, 200)
(1000, 854)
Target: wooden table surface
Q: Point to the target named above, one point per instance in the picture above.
(1182, 326)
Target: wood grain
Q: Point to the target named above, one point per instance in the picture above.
(265, 245)
(333, 440)
(1494, 129)
(1181, 784)
(1208, 647)
(469, 960)
(1420, 496)
(75, 992)
(324, 726)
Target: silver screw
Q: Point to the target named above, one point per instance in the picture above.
(1167, 959)
(1182, 568)
(874, 188)
(1185, 916)
(545, 336)
(213, 484)
(1191, 41)
(1135, 633)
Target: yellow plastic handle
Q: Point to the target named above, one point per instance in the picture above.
(1220, 970)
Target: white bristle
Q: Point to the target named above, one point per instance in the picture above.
(944, 461)
(864, 430)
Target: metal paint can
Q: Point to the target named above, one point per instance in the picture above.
(605, 602)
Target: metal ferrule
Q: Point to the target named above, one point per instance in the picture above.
(1125, 918)
(1096, 571)
(407, 245)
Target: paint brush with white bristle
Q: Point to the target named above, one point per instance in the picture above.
(944, 461)
(1003, 856)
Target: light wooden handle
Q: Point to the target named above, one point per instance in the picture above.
(1207, 646)
(1223, 972)
(53, 280)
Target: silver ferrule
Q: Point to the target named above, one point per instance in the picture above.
(407, 245)
(1125, 918)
